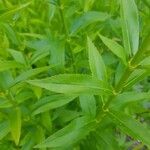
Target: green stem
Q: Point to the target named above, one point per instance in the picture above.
(120, 86)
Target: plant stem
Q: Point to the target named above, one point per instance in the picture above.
(119, 87)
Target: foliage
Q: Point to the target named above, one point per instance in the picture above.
(74, 74)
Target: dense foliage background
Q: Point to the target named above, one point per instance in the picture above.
(74, 74)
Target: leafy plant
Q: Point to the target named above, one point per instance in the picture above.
(74, 74)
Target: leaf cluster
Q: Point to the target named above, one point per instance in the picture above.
(74, 74)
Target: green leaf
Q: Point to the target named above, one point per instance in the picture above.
(51, 102)
(30, 73)
(97, 65)
(6, 65)
(57, 52)
(136, 76)
(130, 126)
(15, 124)
(40, 136)
(4, 129)
(66, 115)
(9, 13)
(87, 19)
(145, 62)
(6, 79)
(88, 105)
(115, 48)
(88, 4)
(28, 141)
(46, 120)
(4, 103)
(130, 26)
(119, 72)
(37, 91)
(23, 96)
(10, 33)
(42, 48)
(72, 84)
(125, 98)
(17, 55)
(106, 139)
(146, 45)
(70, 134)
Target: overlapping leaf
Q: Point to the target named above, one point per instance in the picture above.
(70, 134)
(115, 48)
(87, 19)
(51, 102)
(72, 84)
(96, 63)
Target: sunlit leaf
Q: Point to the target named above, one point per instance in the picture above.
(15, 124)
(96, 63)
(115, 48)
(130, 26)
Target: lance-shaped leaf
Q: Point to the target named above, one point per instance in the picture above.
(6, 65)
(115, 48)
(10, 33)
(145, 62)
(46, 120)
(130, 126)
(130, 26)
(28, 141)
(88, 105)
(136, 76)
(18, 56)
(72, 84)
(51, 102)
(70, 134)
(19, 98)
(9, 13)
(129, 97)
(96, 63)
(15, 124)
(6, 79)
(30, 73)
(87, 19)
